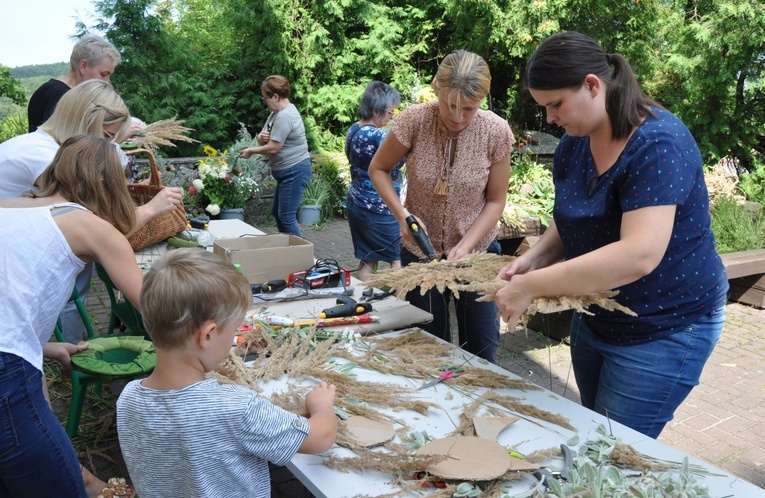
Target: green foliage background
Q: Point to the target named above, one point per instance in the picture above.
(203, 60)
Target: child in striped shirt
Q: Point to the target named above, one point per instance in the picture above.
(183, 434)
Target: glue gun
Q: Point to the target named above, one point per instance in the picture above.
(270, 286)
(346, 306)
(199, 222)
(423, 242)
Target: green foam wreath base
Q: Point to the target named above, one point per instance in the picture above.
(122, 356)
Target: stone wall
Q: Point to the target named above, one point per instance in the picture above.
(174, 171)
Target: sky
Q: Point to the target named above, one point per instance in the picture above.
(38, 31)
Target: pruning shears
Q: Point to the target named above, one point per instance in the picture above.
(544, 475)
(370, 295)
(447, 372)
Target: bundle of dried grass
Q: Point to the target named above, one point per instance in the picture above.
(478, 273)
(463, 274)
(233, 370)
(579, 303)
(163, 132)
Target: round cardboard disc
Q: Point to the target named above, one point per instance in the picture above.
(367, 432)
(470, 458)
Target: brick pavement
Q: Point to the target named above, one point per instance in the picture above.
(718, 423)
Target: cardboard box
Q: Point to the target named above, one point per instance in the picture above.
(267, 257)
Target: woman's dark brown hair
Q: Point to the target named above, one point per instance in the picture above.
(563, 61)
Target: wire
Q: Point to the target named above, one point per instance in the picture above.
(328, 267)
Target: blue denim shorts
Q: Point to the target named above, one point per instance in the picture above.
(642, 385)
(375, 236)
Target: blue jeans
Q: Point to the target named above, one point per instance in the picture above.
(478, 322)
(36, 456)
(290, 185)
(642, 385)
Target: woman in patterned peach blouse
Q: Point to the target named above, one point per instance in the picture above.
(458, 167)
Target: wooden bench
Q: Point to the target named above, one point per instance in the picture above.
(746, 275)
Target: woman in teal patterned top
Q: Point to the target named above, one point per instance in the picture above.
(374, 230)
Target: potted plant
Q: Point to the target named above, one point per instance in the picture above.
(315, 196)
(220, 189)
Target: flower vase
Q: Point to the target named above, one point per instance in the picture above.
(231, 214)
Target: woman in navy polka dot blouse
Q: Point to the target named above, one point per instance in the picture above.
(631, 214)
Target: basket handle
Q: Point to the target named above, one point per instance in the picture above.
(154, 178)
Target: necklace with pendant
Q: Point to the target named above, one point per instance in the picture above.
(442, 184)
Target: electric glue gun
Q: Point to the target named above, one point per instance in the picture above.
(346, 306)
(423, 242)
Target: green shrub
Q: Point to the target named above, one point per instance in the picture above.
(333, 169)
(531, 192)
(13, 125)
(753, 183)
(735, 228)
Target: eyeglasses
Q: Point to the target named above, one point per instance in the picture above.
(266, 98)
(109, 135)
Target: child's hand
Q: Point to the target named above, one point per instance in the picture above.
(321, 398)
(321, 416)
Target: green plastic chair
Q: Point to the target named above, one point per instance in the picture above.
(82, 380)
(122, 311)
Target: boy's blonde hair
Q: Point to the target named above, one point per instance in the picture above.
(85, 110)
(87, 170)
(463, 75)
(187, 287)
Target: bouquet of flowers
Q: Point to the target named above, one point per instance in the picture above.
(218, 185)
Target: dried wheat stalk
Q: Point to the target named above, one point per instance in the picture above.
(466, 418)
(383, 462)
(163, 132)
(625, 455)
(419, 356)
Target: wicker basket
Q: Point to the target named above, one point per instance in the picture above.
(160, 227)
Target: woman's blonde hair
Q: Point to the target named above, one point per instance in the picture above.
(87, 170)
(85, 110)
(187, 287)
(464, 75)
